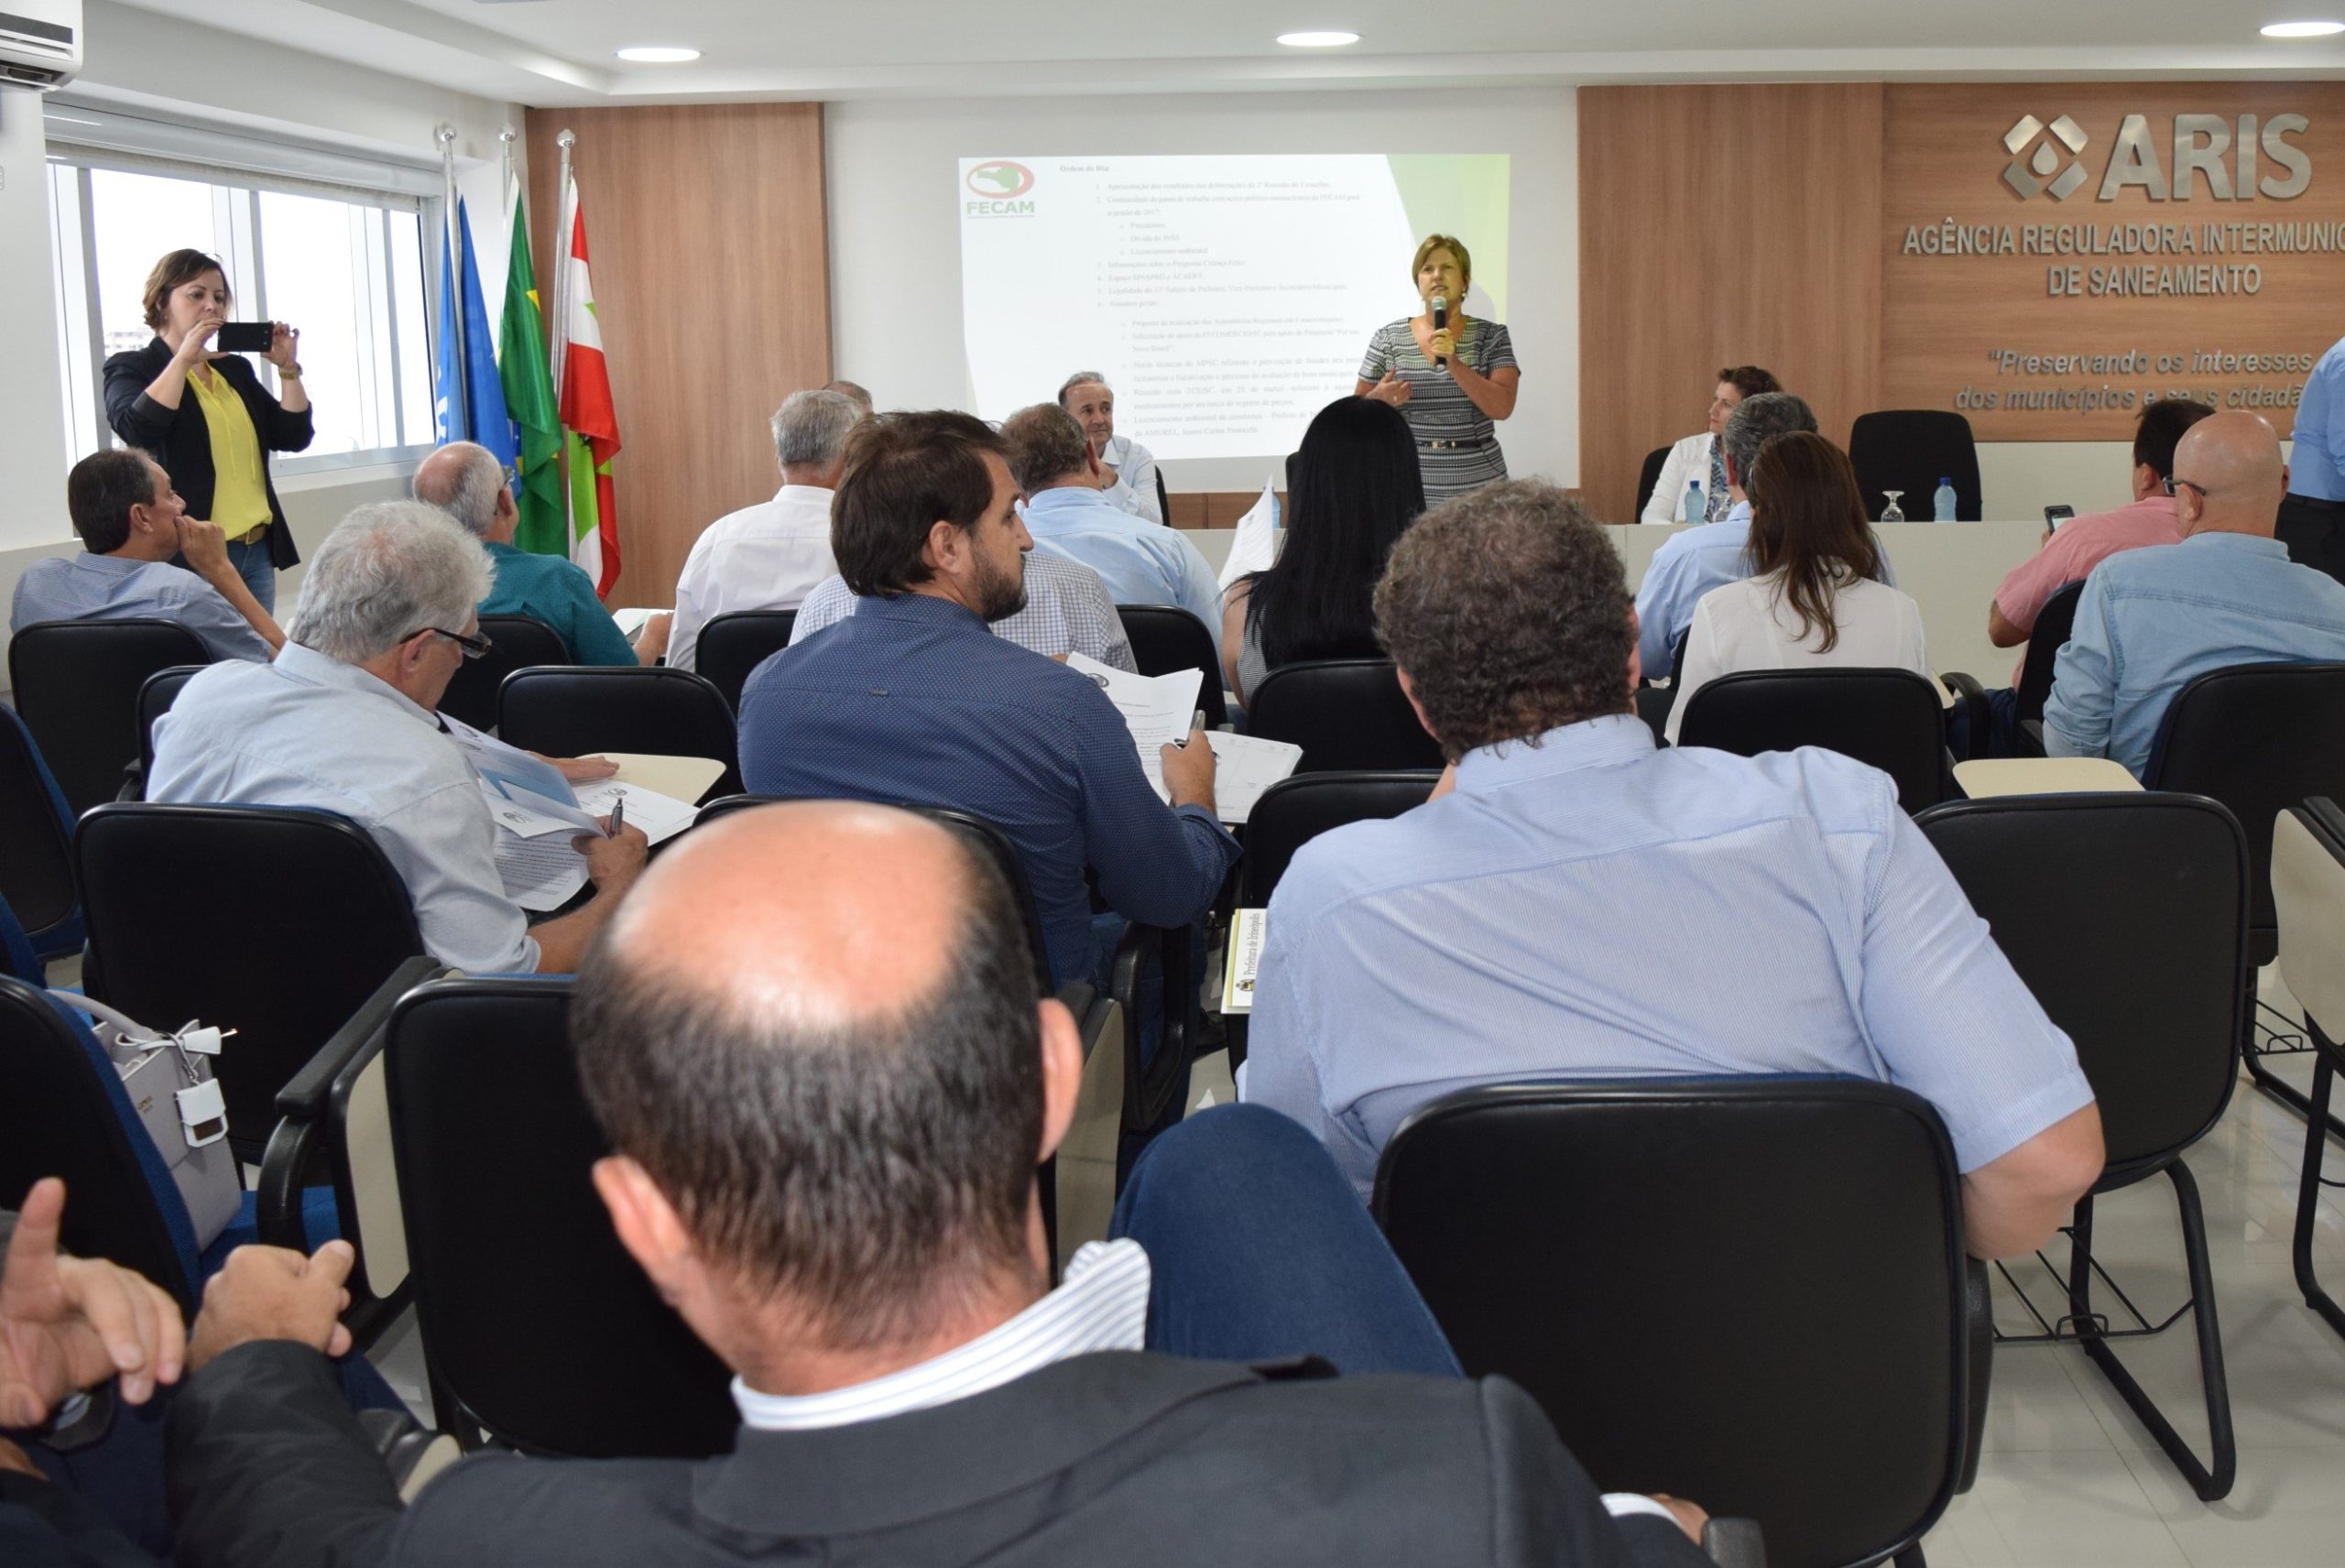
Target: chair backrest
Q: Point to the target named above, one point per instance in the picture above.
(155, 699)
(575, 710)
(494, 1143)
(1164, 500)
(1294, 810)
(2308, 889)
(1164, 639)
(35, 853)
(2126, 915)
(1648, 477)
(1347, 715)
(63, 1112)
(2044, 641)
(275, 922)
(1911, 450)
(516, 642)
(733, 645)
(2260, 739)
(1890, 719)
(77, 689)
(1647, 1259)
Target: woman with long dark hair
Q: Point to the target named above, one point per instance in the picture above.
(1814, 597)
(1356, 486)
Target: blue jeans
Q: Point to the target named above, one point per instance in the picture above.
(252, 563)
(1260, 1250)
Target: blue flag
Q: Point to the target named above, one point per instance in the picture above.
(470, 398)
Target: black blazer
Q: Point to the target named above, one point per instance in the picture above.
(1119, 1458)
(180, 439)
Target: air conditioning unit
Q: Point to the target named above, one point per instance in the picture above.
(40, 43)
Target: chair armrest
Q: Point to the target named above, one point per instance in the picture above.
(2031, 739)
(1734, 1543)
(134, 782)
(1971, 701)
(1146, 1093)
(1978, 1328)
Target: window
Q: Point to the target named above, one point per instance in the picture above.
(344, 267)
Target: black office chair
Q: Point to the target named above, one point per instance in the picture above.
(576, 710)
(275, 922)
(37, 852)
(1647, 479)
(1348, 715)
(1647, 1259)
(1164, 500)
(2126, 915)
(492, 1143)
(731, 646)
(2308, 886)
(1890, 719)
(1164, 639)
(2050, 634)
(516, 642)
(77, 690)
(2261, 738)
(1911, 450)
(155, 699)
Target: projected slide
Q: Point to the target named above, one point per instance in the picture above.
(1227, 299)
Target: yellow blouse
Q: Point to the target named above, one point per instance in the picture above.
(239, 491)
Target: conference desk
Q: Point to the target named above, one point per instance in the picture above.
(1950, 569)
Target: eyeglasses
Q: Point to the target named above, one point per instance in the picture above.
(473, 646)
(2170, 483)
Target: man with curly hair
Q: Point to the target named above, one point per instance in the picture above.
(1575, 903)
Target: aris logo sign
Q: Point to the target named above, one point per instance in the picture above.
(2229, 153)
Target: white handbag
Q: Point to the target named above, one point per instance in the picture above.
(168, 1079)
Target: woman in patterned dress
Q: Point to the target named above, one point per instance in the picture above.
(1450, 410)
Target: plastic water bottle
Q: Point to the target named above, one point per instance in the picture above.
(1942, 501)
(1695, 512)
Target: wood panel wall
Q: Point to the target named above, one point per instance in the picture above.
(707, 240)
(1722, 226)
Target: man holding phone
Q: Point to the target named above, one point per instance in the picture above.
(2073, 546)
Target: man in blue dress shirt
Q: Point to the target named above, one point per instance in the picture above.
(910, 700)
(2150, 620)
(2312, 518)
(1140, 563)
(1505, 929)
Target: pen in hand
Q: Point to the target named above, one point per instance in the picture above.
(619, 816)
(1196, 722)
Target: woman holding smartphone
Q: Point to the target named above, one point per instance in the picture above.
(203, 414)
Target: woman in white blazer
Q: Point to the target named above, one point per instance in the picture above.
(1814, 597)
(1694, 460)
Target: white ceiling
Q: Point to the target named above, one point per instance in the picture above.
(563, 51)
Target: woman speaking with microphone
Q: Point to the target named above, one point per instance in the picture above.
(205, 417)
(1451, 376)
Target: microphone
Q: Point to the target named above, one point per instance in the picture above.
(1440, 322)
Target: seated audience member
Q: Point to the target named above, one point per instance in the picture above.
(345, 721)
(2150, 620)
(1067, 611)
(854, 393)
(911, 699)
(792, 999)
(1356, 486)
(1065, 513)
(2070, 551)
(771, 555)
(1815, 599)
(465, 481)
(1699, 459)
(1504, 929)
(1127, 468)
(131, 522)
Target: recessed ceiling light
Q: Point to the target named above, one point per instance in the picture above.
(2301, 29)
(1317, 40)
(659, 55)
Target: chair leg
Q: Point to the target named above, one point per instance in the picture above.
(2209, 1484)
(2279, 1088)
(2324, 1078)
(1910, 1558)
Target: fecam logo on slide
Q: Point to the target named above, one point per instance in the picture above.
(999, 185)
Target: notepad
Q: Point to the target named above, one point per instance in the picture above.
(1157, 709)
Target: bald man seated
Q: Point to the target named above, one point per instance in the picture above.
(2150, 621)
(790, 998)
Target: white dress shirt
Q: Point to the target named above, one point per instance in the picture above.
(1689, 464)
(1134, 490)
(1751, 625)
(766, 557)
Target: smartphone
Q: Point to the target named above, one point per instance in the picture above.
(245, 337)
(2054, 516)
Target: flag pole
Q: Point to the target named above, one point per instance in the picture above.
(559, 254)
(460, 417)
(504, 186)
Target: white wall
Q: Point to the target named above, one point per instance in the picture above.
(896, 251)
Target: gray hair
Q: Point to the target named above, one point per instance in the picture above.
(1078, 379)
(854, 392)
(1756, 421)
(389, 570)
(465, 488)
(812, 427)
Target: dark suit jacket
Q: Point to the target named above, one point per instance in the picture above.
(181, 438)
(1116, 1458)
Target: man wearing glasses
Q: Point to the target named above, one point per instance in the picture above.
(2150, 620)
(345, 720)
